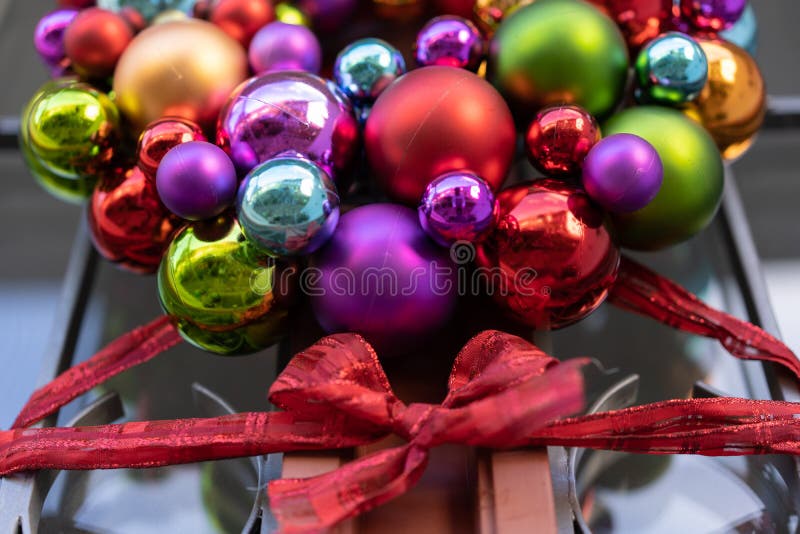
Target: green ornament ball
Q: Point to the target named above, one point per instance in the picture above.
(693, 178)
(225, 296)
(559, 51)
(68, 131)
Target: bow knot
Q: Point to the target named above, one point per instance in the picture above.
(501, 388)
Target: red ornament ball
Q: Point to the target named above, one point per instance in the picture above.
(159, 137)
(128, 224)
(435, 120)
(241, 19)
(559, 138)
(639, 20)
(554, 254)
(95, 40)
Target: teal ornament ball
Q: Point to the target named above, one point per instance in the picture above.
(288, 206)
(149, 9)
(691, 190)
(559, 52)
(671, 69)
(744, 32)
(366, 67)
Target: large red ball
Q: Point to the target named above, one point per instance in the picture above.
(551, 260)
(95, 40)
(241, 19)
(128, 224)
(434, 120)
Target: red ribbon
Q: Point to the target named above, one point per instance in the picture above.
(503, 393)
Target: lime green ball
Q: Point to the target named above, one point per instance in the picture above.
(559, 51)
(693, 178)
(223, 294)
(70, 129)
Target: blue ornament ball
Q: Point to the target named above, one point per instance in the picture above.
(288, 206)
(366, 67)
(671, 70)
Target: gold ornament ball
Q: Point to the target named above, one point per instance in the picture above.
(732, 105)
(182, 68)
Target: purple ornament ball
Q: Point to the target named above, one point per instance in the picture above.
(289, 112)
(48, 37)
(450, 41)
(714, 15)
(196, 180)
(623, 173)
(457, 206)
(381, 276)
(280, 46)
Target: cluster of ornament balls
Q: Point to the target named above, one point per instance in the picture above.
(227, 223)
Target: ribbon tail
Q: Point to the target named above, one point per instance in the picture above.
(159, 443)
(317, 503)
(131, 349)
(715, 427)
(643, 291)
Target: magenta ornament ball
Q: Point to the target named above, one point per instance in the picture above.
(382, 277)
(457, 206)
(196, 180)
(279, 46)
(48, 37)
(623, 173)
(289, 113)
(450, 41)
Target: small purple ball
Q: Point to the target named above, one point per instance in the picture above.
(622, 173)
(713, 15)
(457, 206)
(48, 37)
(382, 277)
(196, 180)
(450, 41)
(280, 46)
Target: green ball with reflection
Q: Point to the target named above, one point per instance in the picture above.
(226, 297)
(693, 178)
(559, 51)
(69, 129)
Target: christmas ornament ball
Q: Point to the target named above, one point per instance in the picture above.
(732, 105)
(364, 68)
(434, 120)
(449, 41)
(623, 173)
(744, 33)
(457, 206)
(48, 37)
(691, 190)
(559, 51)
(148, 9)
(288, 206)
(225, 296)
(281, 46)
(559, 138)
(160, 137)
(555, 257)
(183, 69)
(95, 40)
(289, 112)
(241, 19)
(196, 180)
(639, 20)
(128, 224)
(381, 276)
(671, 69)
(70, 128)
(712, 15)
